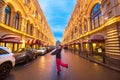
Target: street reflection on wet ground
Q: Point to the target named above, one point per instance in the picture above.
(44, 68)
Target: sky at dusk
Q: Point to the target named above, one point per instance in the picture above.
(57, 13)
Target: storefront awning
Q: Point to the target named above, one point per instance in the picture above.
(10, 38)
(96, 38)
(85, 41)
(77, 42)
(36, 41)
(33, 41)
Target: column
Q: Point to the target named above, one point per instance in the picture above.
(2, 4)
(12, 18)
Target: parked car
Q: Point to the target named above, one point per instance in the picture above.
(25, 55)
(51, 48)
(7, 62)
(42, 51)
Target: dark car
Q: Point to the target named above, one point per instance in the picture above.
(25, 55)
(51, 48)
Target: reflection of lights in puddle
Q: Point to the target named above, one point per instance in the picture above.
(95, 64)
(42, 59)
(42, 62)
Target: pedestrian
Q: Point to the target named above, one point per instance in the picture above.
(59, 63)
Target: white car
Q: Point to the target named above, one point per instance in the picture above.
(7, 62)
(42, 51)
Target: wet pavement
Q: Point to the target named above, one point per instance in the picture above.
(44, 68)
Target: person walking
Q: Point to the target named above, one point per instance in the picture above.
(59, 63)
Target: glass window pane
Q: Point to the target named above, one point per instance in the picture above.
(94, 16)
(3, 52)
(7, 15)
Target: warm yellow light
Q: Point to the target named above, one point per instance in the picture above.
(42, 59)
(86, 45)
(95, 64)
(94, 44)
(23, 45)
(76, 45)
(106, 24)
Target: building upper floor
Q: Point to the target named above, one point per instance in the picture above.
(90, 16)
(25, 17)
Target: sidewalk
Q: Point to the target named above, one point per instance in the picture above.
(104, 64)
(83, 55)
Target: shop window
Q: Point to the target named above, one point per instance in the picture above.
(16, 21)
(7, 15)
(2, 44)
(98, 47)
(15, 47)
(95, 16)
(9, 46)
(85, 47)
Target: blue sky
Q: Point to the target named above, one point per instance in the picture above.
(57, 13)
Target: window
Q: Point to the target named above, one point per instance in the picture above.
(95, 16)
(76, 29)
(36, 14)
(27, 27)
(85, 26)
(7, 15)
(80, 29)
(16, 21)
(3, 52)
(31, 29)
(27, 2)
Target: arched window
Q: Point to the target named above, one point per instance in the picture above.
(80, 29)
(36, 14)
(95, 16)
(7, 15)
(85, 26)
(27, 2)
(27, 27)
(16, 22)
(31, 29)
(76, 30)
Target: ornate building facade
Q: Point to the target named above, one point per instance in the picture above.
(94, 30)
(22, 23)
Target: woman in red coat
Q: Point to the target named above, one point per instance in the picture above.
(59, 63)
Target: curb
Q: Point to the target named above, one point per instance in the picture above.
(106, 65)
